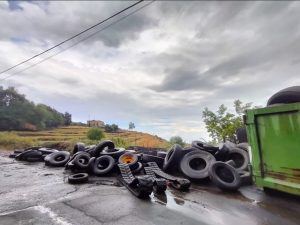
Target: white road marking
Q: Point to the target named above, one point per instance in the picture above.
(57, 219)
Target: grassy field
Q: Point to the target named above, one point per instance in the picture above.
(66, 137)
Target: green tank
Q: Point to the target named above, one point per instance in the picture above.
(274, 138)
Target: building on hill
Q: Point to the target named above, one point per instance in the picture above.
(95, 123)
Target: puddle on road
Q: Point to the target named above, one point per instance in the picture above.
(189, 208)
(212, 214)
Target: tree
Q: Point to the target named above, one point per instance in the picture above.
(131, 126)
(18, 113)
(111, 128)
(95, 134)
(222, 125)
(114, 127)
(67, 119)
(177, 140)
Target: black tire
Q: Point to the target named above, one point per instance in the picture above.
(78, 178)
(241, 134)
(161, 154)
(12, 155)
(35, 159)
(129, 159)
(138, 169)
(91, 149)
(104, 145)
(240, 158)
(205, 147)
(224, 176)
(32, 148)
(71, 158)
(223, 151)
(47, 151)
(196, 164)
(103, 165)
(173, 157)
(231, 163)
(81, 161)
(79, 147)
(91, 164)
(57, 159)
(198, 144)
(246, 178)
(284, 96)
(115, 153)
(244, 146)
(151, 158)
(18, 151)
(29, 153)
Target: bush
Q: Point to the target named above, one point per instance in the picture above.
(95, 134)
(177, 140)
(120, 142)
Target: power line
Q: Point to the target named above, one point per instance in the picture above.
(76, 43)
(74, 36)
(104, 28)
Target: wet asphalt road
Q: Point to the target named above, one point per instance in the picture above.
(31, 193)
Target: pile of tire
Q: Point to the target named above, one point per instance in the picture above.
(225, 165)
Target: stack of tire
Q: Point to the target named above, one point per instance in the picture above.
(226, 166)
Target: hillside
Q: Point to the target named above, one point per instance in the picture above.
(66, 137)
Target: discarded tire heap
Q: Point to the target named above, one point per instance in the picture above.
(143, 174)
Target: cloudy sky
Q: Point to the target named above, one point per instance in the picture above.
(158, 67)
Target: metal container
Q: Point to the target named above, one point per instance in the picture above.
(274, 137)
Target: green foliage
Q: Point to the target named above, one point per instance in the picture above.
(18, 113)
(11, 141)
(67, 119)
(111, 128)
(120, 142)
(131, 126)
(177, 140)
(222, 125)
(95, 134)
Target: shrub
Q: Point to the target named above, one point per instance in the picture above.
(95, 134)
(120, 142)
(177, 140)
